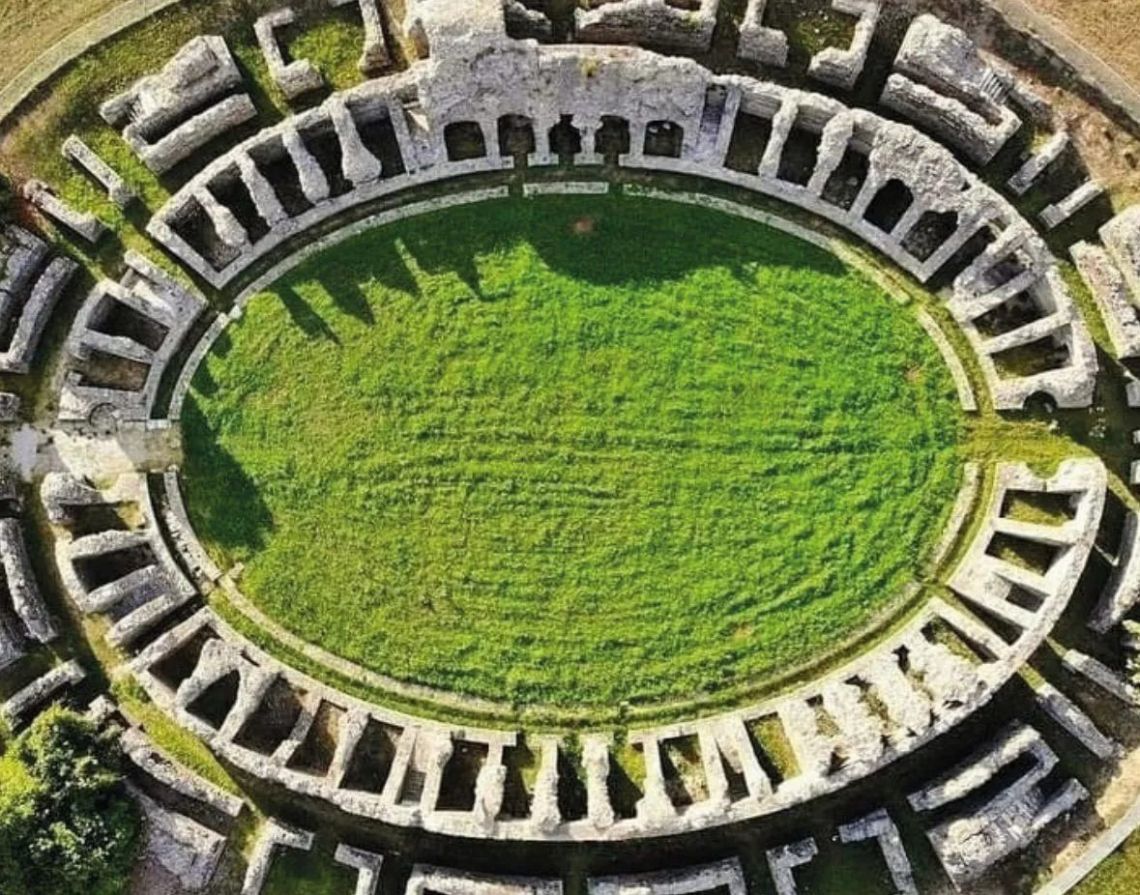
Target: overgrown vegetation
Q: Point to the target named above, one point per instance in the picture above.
(1116, 874)
(551, 452)
(311, 873)
(67, 823)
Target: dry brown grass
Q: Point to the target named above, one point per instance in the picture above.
(29, 28)
(1109, 28)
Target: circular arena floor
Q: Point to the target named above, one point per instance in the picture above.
(574, 452)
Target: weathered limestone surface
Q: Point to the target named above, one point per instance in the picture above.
(274, 835)
(375, 54)
(107, 177)
(426, 879)
(994, 584)
(1123, 587)
(767, 46)
(544, 812)
(39, 691)
(295, 78)
(879, 826)
(177, 522)
(1060, 211)
(31, 283)
(520, 84)
(157, 764)
(366, 863)
(414, 778)
(448, 33)
(959, 515)
(978, 836)
(942, 82)
(723, 875)
(185, 848)
(1112, 295)
(1037, 164)
(842, 67)
(477, 80)
(1112, 274)
(1121, 236)
(146, 583)
(144, 291)
(656, 23)
(81, 223)
(26, 603)
(906, 714)
(166, 117)
(1103, 677)
(1069, 715)
(784, 859)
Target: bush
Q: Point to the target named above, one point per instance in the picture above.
(67, 823)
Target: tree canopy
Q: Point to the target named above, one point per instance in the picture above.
(67, 823)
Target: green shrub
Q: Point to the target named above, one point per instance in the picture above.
(67, 824)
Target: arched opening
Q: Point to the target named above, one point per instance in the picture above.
(750, 137)
(800, 153)
(664, 138)
(930, 233)
(889, 205)
(843, 186)
(516, 135)
(464, 140)
(612, 138)
(565, 140)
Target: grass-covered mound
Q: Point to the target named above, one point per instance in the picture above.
(573, 451)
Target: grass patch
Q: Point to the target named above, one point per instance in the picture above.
(811, 26)
(1115, 875)
(28, 29)
(313, 873)
(491, 448)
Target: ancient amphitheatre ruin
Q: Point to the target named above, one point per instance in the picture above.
(514, 447)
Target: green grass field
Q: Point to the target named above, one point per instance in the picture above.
(573, 452)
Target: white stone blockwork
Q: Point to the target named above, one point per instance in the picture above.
(443, 881)
(726, 875)
(444, 118)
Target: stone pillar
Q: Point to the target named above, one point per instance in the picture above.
(832, 145)
(358, 165)
(490, 786)
(655, 805)
(400, 764)
(589, 135)
(637, 130)
(437, 748)
(781, 126)
(228, 227)
(314, 184)
(264, 197)
(596, 763)
(349, 732)
(715, 778)
(907, 222)
(408, 151)
(545, 813)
